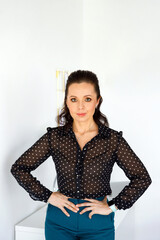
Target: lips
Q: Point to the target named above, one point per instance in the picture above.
(81, 114)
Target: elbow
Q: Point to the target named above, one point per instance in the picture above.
(149, 181)
(13, 170)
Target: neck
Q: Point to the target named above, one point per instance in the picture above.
(83, 127)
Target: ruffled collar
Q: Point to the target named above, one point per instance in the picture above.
(103, 130)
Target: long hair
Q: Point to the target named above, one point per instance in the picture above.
(79, 76)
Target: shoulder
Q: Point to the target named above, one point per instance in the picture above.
(112, 132)
(56, 130)
(114, 136)
(116, 132)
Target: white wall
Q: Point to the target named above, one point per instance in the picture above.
(36, 38)
(121, 45)
(119, 41)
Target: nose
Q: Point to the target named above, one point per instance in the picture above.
(81, 105)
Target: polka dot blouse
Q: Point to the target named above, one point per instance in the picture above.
(83, 173)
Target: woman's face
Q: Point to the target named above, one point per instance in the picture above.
(82, 98)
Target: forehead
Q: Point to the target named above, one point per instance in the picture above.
(83, 88)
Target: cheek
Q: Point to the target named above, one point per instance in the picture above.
(72, 107)
(91, 108)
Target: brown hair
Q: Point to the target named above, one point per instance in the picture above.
(80, 76)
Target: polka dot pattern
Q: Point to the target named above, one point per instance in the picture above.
(83, 173)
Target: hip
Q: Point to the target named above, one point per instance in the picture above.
(76, 221)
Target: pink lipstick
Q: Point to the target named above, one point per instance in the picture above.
(81, 114)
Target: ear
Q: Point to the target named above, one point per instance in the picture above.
(66, 104)
(98, 100)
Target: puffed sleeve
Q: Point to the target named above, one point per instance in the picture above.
(29, 161)
(135, 170)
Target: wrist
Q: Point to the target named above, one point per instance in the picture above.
(50, 197)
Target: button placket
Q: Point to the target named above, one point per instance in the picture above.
(80, 157)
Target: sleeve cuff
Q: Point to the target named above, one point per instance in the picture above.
(111, 202)
(114, 209)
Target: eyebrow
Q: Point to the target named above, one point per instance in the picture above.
(84, 96)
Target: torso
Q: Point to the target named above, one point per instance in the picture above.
(82, 140)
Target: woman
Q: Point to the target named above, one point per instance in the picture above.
(84, 150)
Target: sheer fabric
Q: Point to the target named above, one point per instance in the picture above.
(83, 173)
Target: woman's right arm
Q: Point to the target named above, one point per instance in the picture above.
(29, 161)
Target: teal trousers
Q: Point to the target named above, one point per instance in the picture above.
(58, 226)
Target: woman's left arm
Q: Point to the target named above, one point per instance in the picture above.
(135, 170)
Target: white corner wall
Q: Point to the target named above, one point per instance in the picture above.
(121, 45)
(36, 38)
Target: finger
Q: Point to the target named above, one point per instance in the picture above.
(85, 210)
(72, 205)
(90, 215)
(85, 204)
(92, 200)
(65, 212)
(72, 208)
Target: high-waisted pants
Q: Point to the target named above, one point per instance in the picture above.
(58, 226)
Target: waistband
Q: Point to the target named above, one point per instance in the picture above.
(82, 199)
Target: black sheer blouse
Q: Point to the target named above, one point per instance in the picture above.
(83, 173)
